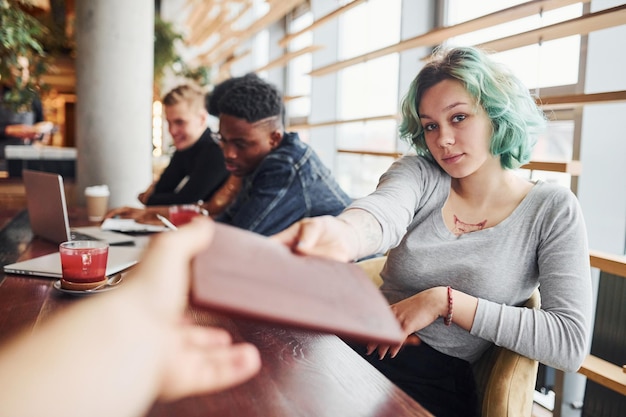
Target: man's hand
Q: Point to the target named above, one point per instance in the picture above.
(140, 215)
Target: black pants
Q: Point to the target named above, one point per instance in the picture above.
(442, 384)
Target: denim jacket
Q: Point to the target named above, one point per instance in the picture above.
(290, 183)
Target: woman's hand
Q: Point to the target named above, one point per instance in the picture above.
(353, 234)
(420, 310)
(325, 236)
(413, 314)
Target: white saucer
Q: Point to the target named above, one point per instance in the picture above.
(58, 287)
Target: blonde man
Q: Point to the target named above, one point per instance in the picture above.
(197, 167)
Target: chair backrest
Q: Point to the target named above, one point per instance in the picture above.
(372, 268)
(505, 379)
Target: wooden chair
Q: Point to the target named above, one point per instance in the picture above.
(506, 380)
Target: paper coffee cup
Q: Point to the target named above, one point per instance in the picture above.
(97, 199)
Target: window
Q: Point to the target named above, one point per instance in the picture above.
(550, 64)
(367, 90)
(298, 80)
(556, 144)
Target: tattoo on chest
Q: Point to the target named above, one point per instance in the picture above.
(462, 227)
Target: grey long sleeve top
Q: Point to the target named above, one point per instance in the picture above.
(542, 243)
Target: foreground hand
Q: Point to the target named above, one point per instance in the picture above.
(133, 346)
(204, 360)
(196, 359)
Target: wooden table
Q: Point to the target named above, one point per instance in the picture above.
(303, 373)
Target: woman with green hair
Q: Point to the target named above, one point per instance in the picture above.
(468, 239)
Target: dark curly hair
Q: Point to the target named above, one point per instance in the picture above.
(213, 98)
(251, 99)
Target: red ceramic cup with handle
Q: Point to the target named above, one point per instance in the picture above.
(183, 213)
(83, 263)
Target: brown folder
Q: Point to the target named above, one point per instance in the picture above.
(249, 275)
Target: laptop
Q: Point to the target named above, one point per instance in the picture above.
(119, 259)
(47, 211)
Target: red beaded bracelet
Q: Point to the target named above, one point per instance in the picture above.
(447, 320)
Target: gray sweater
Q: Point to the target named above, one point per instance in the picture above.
(542, 243)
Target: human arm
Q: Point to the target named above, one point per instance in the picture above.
(557, 334)
(337, 238)
(351, 235)
(223, 196)
(356, 233)
(422, 309)
(372, 224)
(146, 215)
(144, 196)
(25, 131)
(134, 337)
(27, 126)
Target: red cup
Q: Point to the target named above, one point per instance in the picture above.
(183, 213)
(83, 263)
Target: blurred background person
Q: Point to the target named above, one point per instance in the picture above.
(23, 126)
(197, 168)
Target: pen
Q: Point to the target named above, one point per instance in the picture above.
(166, 222)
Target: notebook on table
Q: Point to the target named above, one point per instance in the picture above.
(249, 275)
(47, 212)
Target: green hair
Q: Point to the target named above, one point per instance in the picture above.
(516, 119)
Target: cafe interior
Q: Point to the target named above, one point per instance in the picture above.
(342, 67)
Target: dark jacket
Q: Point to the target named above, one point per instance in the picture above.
(290, 183)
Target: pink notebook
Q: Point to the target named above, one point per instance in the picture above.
(249, 275)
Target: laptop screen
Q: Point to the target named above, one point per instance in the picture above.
(48, 215)
(47, 207)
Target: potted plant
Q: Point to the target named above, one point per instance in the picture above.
(21, 53)
(166, 38)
